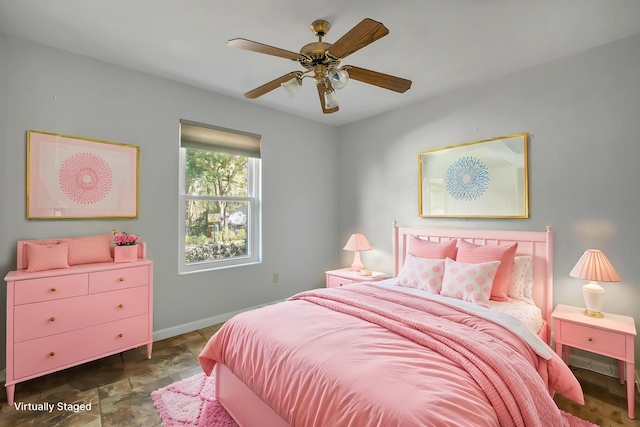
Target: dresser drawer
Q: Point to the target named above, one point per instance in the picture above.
(121, 278)
(607, 343)
(334, 281)
(55, 317)
(63, 350)
(50, 288)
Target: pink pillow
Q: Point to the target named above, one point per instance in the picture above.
(474, 254)
(518, 273)
(422, 273)
(46, 257)
(469, 282)
(434, 250)
(87, 250)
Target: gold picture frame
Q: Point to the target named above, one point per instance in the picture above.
(71, 177)
(483, 179)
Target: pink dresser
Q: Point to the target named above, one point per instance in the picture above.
(64, 317)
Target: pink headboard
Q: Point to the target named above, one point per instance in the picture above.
(22, 249)
(538, 244)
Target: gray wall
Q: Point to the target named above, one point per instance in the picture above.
(583, 115)
(54, 91)
(581, 112)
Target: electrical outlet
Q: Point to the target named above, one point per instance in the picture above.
(276, 277)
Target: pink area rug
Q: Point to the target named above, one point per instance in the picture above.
(191, 403)
(573, 421)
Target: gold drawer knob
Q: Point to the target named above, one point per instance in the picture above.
(120, 335)
(589, 339)
(53, 289)
(53, 319)
(120, 305)
(121, 279)
(53, 353)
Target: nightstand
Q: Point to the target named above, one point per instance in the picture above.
(611, 336)
(346, 276)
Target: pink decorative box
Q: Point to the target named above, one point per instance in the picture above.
(125, 253)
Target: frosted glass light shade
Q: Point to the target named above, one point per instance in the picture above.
(292, 86)
(330, 99)
(338, 77)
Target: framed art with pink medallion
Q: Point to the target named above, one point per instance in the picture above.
(73, 177)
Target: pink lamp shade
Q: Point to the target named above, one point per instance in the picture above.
(356, 243)
(595, 267)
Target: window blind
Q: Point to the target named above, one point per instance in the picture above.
(208, 137)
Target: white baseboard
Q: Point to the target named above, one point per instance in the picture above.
(610, 370)
(598, 366)
(200, 324)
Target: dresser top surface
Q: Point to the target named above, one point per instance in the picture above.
(610, 321)
(75, 269)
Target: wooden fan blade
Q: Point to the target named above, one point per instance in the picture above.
(363, 34)
(268, 87)
(321, 88)
(384, 81)
(263, 48)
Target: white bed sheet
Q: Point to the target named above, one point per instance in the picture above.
(527, 313)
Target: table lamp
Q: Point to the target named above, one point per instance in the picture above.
(356, 243)
(595, 267)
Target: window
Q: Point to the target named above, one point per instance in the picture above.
(220, 212)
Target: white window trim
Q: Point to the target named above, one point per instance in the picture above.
(254, 219)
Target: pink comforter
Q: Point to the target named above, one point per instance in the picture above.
(366, 356)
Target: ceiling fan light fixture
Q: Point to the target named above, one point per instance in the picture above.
(292, 86)
(330, 99)
(338, 77)
(321, 61)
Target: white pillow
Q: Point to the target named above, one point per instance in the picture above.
(527, 290)
(469, 282)
(518, 274)
(421, 273)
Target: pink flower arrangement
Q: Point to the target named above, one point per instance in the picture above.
(124, 239)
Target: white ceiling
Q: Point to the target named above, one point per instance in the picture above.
(441, 45)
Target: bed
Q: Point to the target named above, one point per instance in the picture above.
(393, 354)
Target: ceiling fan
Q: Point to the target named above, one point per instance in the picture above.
(321, 61)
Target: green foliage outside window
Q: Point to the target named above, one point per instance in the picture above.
(215, 213)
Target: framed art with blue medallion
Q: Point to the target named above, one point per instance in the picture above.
(483, 179)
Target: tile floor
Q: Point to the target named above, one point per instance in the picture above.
(119, 389)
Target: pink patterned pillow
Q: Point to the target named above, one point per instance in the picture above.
(422, 273)
(474, 254)
(469, 282)
(87, 250)
(434, 250)
(46, 257)
(518, 273)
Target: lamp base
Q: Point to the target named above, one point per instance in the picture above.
(357, 264)
(593, 299)
(593, 314)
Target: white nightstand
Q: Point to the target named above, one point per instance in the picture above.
(612, 336)
(346, 276)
